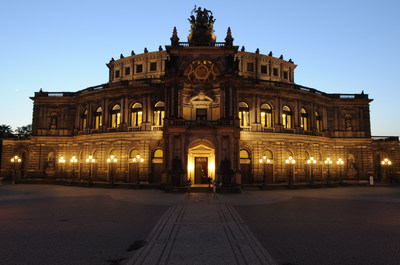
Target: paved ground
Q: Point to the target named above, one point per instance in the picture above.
(44, 224)
(363, 229)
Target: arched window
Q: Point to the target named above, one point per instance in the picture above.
(306, 155)
(266, 115)
(133, 153)
(98, 118)
(158, 153)
(244, 114)
(244, 154)
(304, 119)
(318, 119)
(113, 152)
(268, 154)
(158, 117)
(136, 114)
(287, 117)
(289, 154)
(84, 120)
(115, 116)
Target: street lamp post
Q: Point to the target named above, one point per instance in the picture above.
(90, 160)
(15, 161)
(112, 161)
(137, 160)
(265, 161)
(290, 161)
(73, 162)
(386, 163)
(312, 162)
(340, 163)
(328, 162)
(62, 162)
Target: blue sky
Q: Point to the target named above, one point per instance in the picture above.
(339, 46)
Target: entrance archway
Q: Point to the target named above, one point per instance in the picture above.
(201, 162)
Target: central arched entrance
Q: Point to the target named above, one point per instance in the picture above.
(201, 162)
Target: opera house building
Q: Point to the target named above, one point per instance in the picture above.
(201, 110)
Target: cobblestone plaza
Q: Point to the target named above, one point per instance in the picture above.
(51, 224)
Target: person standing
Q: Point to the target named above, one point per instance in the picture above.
(214, 187)
(189, 184)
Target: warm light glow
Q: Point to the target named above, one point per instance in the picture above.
(290, 160)
(112, 159)
(15, 159)
(340, 162)
(190, 166)
(311, 160)
(328, 161)
(74, 160)
(386, 162)
(265, 160)
(137, 159)
(90, 159)
(61, 160)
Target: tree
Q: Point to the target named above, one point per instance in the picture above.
(24, 131)
(6, 131)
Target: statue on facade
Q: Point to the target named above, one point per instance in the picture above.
(202, 28)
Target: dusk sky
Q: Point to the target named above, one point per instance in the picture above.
(338, 46)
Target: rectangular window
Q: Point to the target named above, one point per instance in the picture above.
(266, 119)
(285, 75)
(153, 66)
(139, 68)
(136, 118)
(115, 120)
(244, 118)
(159, 117)
(263, 69)
(201, 114)
(263, 119)
(117, 74)
(98, 122)
(127, 71)
(250, 67)
(275, 71)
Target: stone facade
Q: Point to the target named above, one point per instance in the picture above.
(201, 109)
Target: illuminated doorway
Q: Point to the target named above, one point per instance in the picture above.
(201, 162)
(201, 170)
